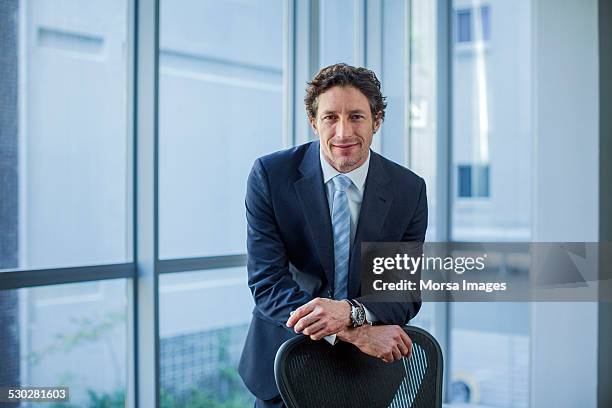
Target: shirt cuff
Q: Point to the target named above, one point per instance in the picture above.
(370, 317)
(331, 339)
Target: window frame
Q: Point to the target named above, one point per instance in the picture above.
(300, 27)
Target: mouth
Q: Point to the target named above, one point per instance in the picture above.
(345, 146)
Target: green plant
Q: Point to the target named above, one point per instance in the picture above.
(87, 330)
(197, 398)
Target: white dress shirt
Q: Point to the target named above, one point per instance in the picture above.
(354, 194)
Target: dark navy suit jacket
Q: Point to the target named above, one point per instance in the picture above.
(291, 250)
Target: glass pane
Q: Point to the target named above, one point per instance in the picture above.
(201, 343)
(485, 16)
(492, 131)
(336, 32)
(425, 318)
(64, 134)
(393, 137)
(464, 181)
(464, 25)
(67, 335)
(220, 107)
(410, 128)
(490, 359)
(422, 147)
(491, 174)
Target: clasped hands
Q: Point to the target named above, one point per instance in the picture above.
(323, 317)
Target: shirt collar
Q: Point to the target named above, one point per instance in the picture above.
(357, 176)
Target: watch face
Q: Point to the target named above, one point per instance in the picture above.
(360, 316)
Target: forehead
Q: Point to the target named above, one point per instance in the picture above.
(340, 98)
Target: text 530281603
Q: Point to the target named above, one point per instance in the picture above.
(34, 394)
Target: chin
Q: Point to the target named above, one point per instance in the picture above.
(346, 162)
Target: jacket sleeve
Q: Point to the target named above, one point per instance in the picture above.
(274, 291)
(401, 312)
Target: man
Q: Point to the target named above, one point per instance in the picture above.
(308, 210)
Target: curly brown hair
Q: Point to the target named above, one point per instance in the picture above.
(345, 75)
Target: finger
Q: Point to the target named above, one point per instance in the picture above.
(397, 355)
(320, 334)
(323, 332)
(303, 323)
(405, 341)
(299, 313)
(314, 328)
(403, 348)
(408, 342)
(387, 357)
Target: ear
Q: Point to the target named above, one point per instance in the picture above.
(377, 121)
(313, 124)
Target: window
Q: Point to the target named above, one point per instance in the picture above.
(473, 181)
(200, 344)
(464, 26)
(72, 335)
(220, 107)
(336, 41)
(473, 24)
(65, 159)
(421, 145)
(491, 200)
(65, 196)
(64, 135)
(485, 18)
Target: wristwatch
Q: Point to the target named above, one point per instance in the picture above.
(358, 316)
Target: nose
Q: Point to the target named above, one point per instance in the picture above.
(344, 128)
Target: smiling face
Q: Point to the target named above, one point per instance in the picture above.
(345, 127)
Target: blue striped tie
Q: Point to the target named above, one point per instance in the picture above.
(341, 222)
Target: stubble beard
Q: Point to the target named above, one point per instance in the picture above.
(346, 164)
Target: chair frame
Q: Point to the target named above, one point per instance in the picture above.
(289, 398)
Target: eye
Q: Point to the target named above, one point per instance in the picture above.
(329, 117)
(358, 117)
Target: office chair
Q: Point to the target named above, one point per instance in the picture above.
(313, 374)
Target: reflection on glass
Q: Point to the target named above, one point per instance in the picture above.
(394, 138)
(220, 107)
(491, 128)
(491, 194)
(423, 115)
(67, 335)
(63, 134)
(204, 318)
(425, 319)
(336, 40)
(490, 359)
(464, 25)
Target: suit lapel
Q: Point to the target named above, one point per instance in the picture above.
(375, 206)
(313, 200)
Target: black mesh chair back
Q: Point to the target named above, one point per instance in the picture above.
(313, 374)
